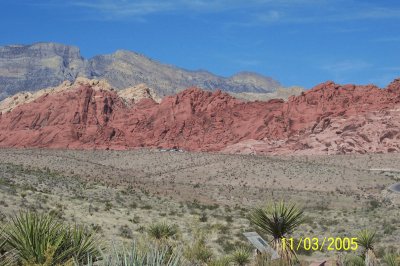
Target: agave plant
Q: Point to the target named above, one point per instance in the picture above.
(366, 239)
(278, 221)
(241, 256)
(39, 239)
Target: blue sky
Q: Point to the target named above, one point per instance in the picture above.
(298, 42)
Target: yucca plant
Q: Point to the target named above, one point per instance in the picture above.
(40, 239)
(152, 256)
(241, 256)
(392, 259)
(161, 231)
(163, 257)
(279, 220)
(6, 258)
(125, 257)
(81, 242)
(2, 241)
(366, 239)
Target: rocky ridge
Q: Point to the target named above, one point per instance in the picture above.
(328, 119)
(43, 65)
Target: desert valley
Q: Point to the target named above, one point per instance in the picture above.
(175, 179)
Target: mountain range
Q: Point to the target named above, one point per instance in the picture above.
(43, 65)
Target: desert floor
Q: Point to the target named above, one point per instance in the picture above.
(119, 193)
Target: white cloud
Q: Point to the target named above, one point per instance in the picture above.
(388, 39)
(255, 12)
(133, 8)
(346, 65)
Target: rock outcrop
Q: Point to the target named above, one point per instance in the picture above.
(134, 94)
(43, 65)
(329, 119)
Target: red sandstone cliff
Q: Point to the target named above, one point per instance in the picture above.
(330, 118)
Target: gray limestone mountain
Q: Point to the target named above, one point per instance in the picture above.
(43, 65)
(33, 67)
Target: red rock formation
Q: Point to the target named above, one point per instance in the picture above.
(330, 118)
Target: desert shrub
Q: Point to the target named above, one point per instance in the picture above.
(146, 207)
(373, 204)
(108, 206)
(388, 228)
(135, 219)
(223, 261)
(161, 231)
(203, 217)
(354, 260)
(226, 243)
(198, 251)
(125, 232)
(264, 259)
(392, 259)
(229, 219)
(241, 256)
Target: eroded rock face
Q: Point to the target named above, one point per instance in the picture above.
(136, 93)
(328, 119)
